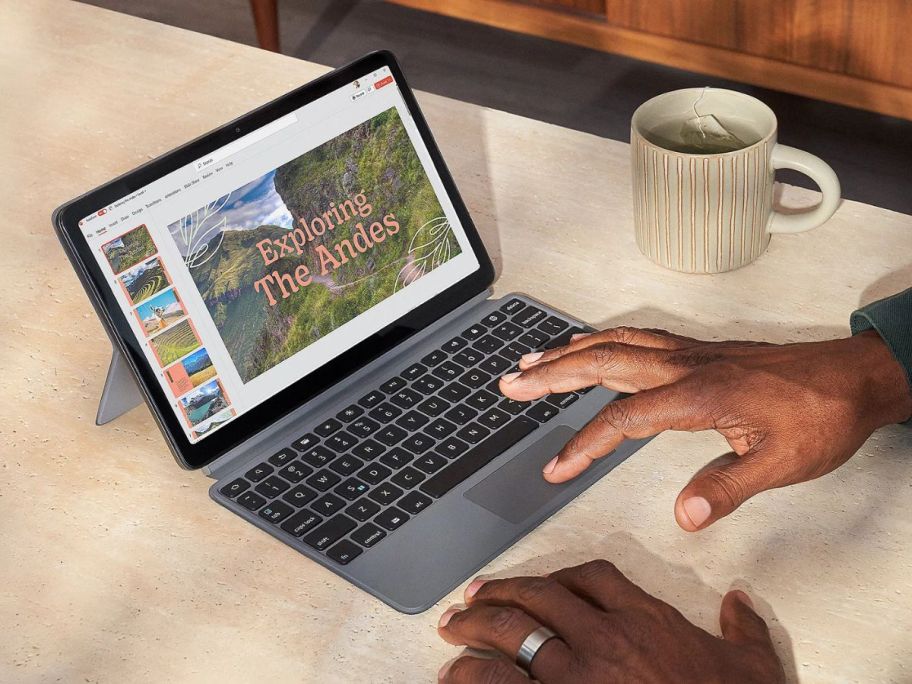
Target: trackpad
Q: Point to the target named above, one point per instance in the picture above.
(517, 489)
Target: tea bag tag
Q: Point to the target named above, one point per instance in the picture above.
(707, 133)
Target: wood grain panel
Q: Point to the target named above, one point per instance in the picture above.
(596, 7)
(878, 41)
(709, 22)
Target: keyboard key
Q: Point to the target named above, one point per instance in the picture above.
(259, 472)
(414, 502)
(328, 427)
(451, 447)
(363, 509)
(430, 463)
(385, 494)
(415, 371)
(385, 412)
(533, 339)
(282, 457)
(434, 358)
(542, 411)
(433, 407)
(323, 480)
(251, 500)
(406, 398)
(474, 378)
(455, 392)
(488, 344)
(394, 384)
(300, 522)
(514, 351)
(461, 414)
(272, 487)
(396, 457)
(553, 326)
(474, 332)
(473, 433)
(318, 457)
(468, 357)
(232, 489)
(295, 472)
(513, 407)
(494, 318)
(374, 473)
(305, 442)
(351, 488)
(494, 419)
(476, 458)
(407, 478)
(364, 427)
(418, 444)
(482, 399)
(346, 465)
(412, 421)
(276, 512)
(562, 400)
(448, 371)
(392, 518)
(371, 399)
(495, 365)
(347, 415)
(391, 434)
(454, 345)
(341, 441)
(328, 504)
(368, 449)
(440, 428)
(514, 306)
(507, 331)
(344, 552)
(529, 317)
(427, 384)
(368, 534)
(299, 496)
(329, 532)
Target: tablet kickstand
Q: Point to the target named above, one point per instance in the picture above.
(120, 393)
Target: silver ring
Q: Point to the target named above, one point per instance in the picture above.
(532, 645)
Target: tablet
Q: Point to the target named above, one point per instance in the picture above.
(248, 271)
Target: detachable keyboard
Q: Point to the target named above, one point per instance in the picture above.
(356, 477)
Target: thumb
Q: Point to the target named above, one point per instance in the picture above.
(722, 486)
(739, 622)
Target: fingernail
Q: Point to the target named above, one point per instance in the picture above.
(549, 466)
(510, 377)
(446, 668)
(533, 357)
(445, 618)
(578, 336)
(473, 587)
(697, 509)
(744, 598)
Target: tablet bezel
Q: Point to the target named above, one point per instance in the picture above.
(196, 455)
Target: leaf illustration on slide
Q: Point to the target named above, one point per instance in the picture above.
(430, 247)
(194, 232)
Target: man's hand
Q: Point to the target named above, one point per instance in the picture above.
(609, 630)
(790, 413)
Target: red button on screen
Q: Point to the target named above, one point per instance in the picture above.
(386, 81)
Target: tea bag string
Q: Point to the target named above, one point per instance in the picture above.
(697, 115)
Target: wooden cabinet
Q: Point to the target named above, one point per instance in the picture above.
(854, 52)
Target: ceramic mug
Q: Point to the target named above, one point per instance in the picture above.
(709, 212)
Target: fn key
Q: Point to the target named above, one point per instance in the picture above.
(344, 552)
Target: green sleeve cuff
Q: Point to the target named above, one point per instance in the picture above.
(892, 319)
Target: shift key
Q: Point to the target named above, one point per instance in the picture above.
(329, 532)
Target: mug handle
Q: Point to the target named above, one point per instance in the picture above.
(785, 157)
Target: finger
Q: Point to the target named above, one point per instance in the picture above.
(547, 601)
(672, 407)
(721, 487)
(616, 366)
(656, 339)
(503, 628)
(471, 670)
(601, 584)
(739, 621)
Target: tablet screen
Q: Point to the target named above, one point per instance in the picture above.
(247, 269)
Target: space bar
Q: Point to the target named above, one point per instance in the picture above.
(478, 457)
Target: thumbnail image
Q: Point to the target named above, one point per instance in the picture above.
(175, 342)
(204, 402)
(160, 312)
(190, 372)
(358, 211)
(145, 280)
(129, 249)
(214, 424)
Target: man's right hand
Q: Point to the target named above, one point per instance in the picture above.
(790, 413)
